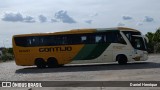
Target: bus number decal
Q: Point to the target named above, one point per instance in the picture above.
(24, 50)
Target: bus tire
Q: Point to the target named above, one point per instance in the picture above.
(122, 59)
(52, 62)
(40, 63)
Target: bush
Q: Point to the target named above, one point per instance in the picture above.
(7, 54)
(6, 57)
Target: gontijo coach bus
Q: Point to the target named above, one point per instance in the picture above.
(102, 45)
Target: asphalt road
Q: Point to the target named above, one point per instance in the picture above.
(137, 71)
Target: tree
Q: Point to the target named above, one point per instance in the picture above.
(150, 45)
(7, 54)
(156, 37)
(156, 40)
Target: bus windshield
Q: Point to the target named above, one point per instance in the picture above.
(138, 43)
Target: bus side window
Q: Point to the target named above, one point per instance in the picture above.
(32, 41)
(99, 39)
(109, 37)
(70, 40)
(120, 38)
(58, 40)
(21, 41)
(50, 40)
(84, 39)
(114, 37)
(88, 39)
(92, 39)
(64, 40)
(74, 39)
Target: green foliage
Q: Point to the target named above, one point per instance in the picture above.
(150, 36)
(10, 50)
(7, 54)
(156, 37)
(150, 44)
(154, 41)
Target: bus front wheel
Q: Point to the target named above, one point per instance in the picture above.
(40, 63)
(52, 62)
(122, 59)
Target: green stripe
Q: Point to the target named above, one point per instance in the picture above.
(100, 48)
(85, 51)
(91, 51)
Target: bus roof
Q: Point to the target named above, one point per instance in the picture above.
(119, 28)
(79, 31)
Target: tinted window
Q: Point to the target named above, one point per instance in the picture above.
(100, 38)
(21, 41)
(90, 38)
(129, 34)
(27, 41)
(114, 37)
(138, 43)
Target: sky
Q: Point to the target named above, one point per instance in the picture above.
(38, 16)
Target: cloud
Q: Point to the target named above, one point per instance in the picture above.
(60, 16)
(64, 17)
(139, 24)
(29, 19)
(94, 15)
(53, 20)
(127, 17)
(12, 17)
(17, 17)
(121, 24)
(89, 21)
(42, 18)
(148, 19)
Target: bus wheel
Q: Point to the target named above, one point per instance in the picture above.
(122, 59)
(52, 62)
(40, 63)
